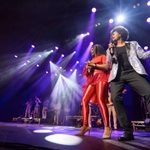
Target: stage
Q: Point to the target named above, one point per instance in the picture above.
(39, 136)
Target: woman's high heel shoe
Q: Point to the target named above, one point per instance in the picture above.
(83, 130)
(107, 133)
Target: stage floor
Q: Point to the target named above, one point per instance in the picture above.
(22, 136)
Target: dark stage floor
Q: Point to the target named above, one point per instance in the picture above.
(21, 136)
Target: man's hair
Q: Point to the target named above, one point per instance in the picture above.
(122, 31)
(99, 50)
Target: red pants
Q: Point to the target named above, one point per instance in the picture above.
(99, 90)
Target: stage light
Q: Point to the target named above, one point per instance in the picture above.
(77, 62)
(71, 70)
(62, 55)
(56, 47)
(15, 56)
(146, 47)
(25, 64)
(33, 46)
(63, 139)
(82, 35)
(74, 52)
(148, 3)
(87, 33)
(93, 10)
(37, 65)
(91, 43)
(148, 20)
(98, 23)
(111, 20)
(42, 131)
(28, 61)
(46, 72)
(51, 51)
(40, 55)
(120, 18)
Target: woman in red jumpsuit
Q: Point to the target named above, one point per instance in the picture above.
(96, 89)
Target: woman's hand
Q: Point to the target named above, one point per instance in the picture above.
(90, 64)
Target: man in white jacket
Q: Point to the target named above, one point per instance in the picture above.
(126, 68)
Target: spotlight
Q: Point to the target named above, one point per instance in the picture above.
(51, 51)
(37, 65)
(40, 55)
(25, 64)
(91, 43)
(82, 35)
(87, 33)
(148, 19)
(146, 47)
(56, 47)
(71, 70)
(148, 3)
(74, 52)
(62, 55)
(15, 56)
(33, 46)
(93, 10)
(46, 72)
(120, 18)
(111, 20)
(77, 62)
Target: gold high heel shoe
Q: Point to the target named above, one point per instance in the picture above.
(107, 133)
(83, 130)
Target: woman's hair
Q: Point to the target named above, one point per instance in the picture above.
(122, 31)
(99, 50)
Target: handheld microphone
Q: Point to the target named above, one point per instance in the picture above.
(114, 43)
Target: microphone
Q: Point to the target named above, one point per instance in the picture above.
(114, 43)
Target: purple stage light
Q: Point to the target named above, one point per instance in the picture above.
(146, 47)
(56, 47)
(148, 3)
(148, 20)
(15, 56)
(37, 65)
(62, 55)
(77, 62)
(111, 20)
(82, 35)
(33, 46)
(91, 43)
(93, 10)
(87, 33)
(46, 72)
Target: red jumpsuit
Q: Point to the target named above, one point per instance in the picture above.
(96, 89)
